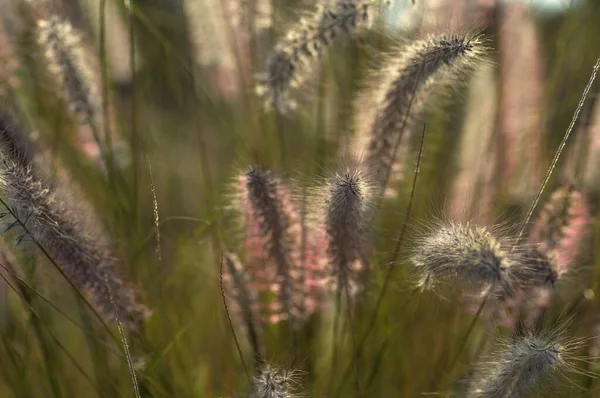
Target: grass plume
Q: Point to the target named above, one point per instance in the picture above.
(291, 61)
(33, 206)
(530, 361)
(462, 253)
(402, 91)
(66, 60)
(348, 197)
(272, 382)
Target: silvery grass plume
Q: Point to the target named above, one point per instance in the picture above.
(348, 205)
(529, 362)
(463, 254)
(67, 62)
(291, 61)
(32, 206)
(243, 301)
(402, 89)
(282, 256)
(273, 382)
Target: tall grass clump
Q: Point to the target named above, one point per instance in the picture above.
(288, 253)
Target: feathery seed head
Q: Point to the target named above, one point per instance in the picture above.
(523, 364)
(283, 254)
(403, 88)
(462, 253)
(348, 200)
(272, 382)
(66, 60)
(535, 269)
(34, 208)
(291, 61)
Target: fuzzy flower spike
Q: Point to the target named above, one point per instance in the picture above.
(33, 206)
(348, 198)
(291, 61)
(64, 54)
(272, 382)
(528, 362)
(561, 229)
(402, 90)
(458, 253)
(283, 257)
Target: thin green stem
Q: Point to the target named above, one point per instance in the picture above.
(558, 152)
(467, 335)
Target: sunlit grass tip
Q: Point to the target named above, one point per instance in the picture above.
(347, 200)
(462, 254)
(402, 87)
(46, 215)
(530, 360)
(66, 60)
(292, 60)
(274, 382)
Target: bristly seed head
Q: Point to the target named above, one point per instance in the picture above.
(291, 61)
(462, 254)
(348, 199)
(527, 362)
(33, 209)
(535, 269)
(63, 51)
(283, 254)
(403, 89)
(275, 383)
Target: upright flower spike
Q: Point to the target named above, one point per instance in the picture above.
(348, 200)
(282, 253)
(291, 61)
(462, 254)
(31, 206)
(277, 220)
(63, 52)
(526, 363)
(402, 90)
